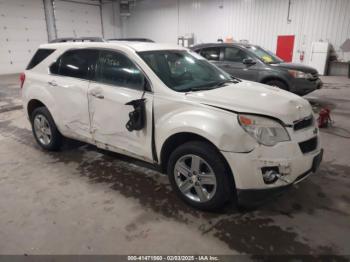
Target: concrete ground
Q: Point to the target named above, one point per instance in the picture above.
(82, 200)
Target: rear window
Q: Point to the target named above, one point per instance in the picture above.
(39, 56)
(75, 63)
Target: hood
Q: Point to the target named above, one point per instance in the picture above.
(299, 67)
(256, 98)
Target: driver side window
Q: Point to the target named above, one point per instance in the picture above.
(233, 54)
(116, 69)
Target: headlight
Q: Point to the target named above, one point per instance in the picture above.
(299, 74)
(265, 130)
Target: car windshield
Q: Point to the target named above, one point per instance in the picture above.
(266, 56)
(185, 71)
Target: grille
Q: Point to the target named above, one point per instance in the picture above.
(308, 145)
(304, 123)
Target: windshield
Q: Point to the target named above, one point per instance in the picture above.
(266, 56)
(185, 71)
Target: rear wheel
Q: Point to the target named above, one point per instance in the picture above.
(278, 84)
(44, 129)
(198, 174)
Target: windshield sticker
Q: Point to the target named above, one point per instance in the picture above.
(267, 59)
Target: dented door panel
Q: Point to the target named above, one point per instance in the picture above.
(109, 116)
(71, 93)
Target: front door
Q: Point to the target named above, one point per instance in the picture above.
(118, 81)
(285, 46)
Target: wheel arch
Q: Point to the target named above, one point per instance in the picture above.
(33, 104)
(271, 78)
(175, 140)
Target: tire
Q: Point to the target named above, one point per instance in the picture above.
(198, 189)
(44, 129)
(277, 83)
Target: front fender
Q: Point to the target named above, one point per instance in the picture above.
(218, 126)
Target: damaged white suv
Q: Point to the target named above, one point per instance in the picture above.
(218, 138)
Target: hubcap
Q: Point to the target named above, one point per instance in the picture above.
(42, 129)
(195, 178)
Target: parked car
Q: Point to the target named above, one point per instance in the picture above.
(218, 138)
(251, 62)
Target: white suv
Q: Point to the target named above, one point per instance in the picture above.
(218, 138)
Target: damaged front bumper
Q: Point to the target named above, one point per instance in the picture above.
(252, 197)
(286, 160)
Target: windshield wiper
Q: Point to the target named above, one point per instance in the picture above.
(224, 82)
(197, 88)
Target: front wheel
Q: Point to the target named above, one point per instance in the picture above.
(198, 174)
(278, 84)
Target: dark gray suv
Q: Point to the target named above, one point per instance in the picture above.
(254, 63)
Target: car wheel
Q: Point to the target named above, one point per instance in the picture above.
(277, 83)
(198, 174)
(45, 130)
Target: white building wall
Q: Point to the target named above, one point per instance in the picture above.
(74, 19)
(112, 24)
(22, 29)
(259, 21)
(23, 26)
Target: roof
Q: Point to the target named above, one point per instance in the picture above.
(136, 46)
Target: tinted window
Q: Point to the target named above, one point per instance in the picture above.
(116, 69)
(212, 53)
(39, 56)
(234, 54)
(75, 63)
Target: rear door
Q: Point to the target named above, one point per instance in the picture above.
(118, 81)
(68, 83)
(232, 63)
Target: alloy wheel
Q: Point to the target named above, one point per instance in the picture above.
(42, 129)
(195, 178)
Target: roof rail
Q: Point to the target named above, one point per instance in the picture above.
(77, 39)
(132, 39)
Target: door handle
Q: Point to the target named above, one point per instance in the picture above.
(52, 83)
(99, 96)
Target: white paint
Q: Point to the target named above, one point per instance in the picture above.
(259, 21)
(22, 30)
(176, 112)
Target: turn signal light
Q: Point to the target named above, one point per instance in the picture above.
(245, 121)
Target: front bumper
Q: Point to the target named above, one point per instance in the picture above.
(293, 165)
(252, 197)
(305, 86)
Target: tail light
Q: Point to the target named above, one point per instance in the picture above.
(22, 77)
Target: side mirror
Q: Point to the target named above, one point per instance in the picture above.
(249, 61)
